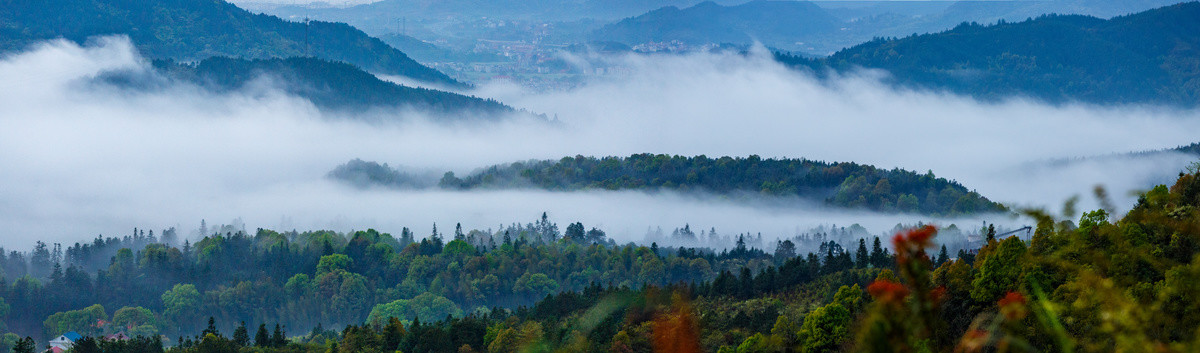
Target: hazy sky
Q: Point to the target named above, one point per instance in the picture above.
(82, 158)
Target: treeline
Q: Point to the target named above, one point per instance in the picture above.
(304, 279)
(840, 184)
(1148, 57)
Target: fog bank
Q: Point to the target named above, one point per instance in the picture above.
(82, 158)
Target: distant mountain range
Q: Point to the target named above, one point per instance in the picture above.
(1149, 57)
(814, 28)
(822, 27)
(771, 22)
(192, 30)
(544, 10)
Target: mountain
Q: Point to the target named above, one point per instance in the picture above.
(839, 184)
(775, 23)
(385, 12)
(191, 30)
(427, 52)
(330, 85)
(1151, 57)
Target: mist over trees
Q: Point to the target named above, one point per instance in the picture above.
(142, 286)
(840, 184)
(874, 298)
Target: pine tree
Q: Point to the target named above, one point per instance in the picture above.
(241, 336)
(862, 257)
(262, 338)
(878, 257)
(943, 256)
(211, 329)
(278, 339)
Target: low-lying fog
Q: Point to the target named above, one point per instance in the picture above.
(80, 158)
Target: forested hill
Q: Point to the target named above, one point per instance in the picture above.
(330, 85)
(770, 22)
(840, 184)
(1149, 57)
(188, 30)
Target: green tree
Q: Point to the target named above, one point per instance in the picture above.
(427, 306)
(25, 346)
(825, 329)
(999, 271)
(133, 317)
(82, 321)
(262, 338)
(278, 338)
(85, 345)
(333, 263)
(181, 304)
(861, 257)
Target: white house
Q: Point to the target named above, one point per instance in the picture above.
(66, 340)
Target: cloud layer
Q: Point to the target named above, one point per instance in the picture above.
(81, 158)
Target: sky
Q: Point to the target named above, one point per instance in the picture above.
(84, 158)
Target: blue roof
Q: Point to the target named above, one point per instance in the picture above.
(74, 336)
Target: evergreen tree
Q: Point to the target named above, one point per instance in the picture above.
(85, 345)
(279, 338)
(241, 336)
(943, 256)
(262, 338)
(862, 257)
(878, 256)
(211, 329)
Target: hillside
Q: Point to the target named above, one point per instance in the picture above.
(190, 30)
(1149, 57)
(330, 85)
(839, 184)
(774, 23)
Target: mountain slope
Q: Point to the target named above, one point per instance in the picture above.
(771, 22)
(334, 86)
(1149, 57)
(189, 30)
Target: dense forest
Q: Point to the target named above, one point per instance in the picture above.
(1097, 284)
(141, 285)
(1148, 57)
(190, 30)
(840, 184)
(330, 85)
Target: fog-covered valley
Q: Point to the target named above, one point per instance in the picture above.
(84, 157)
